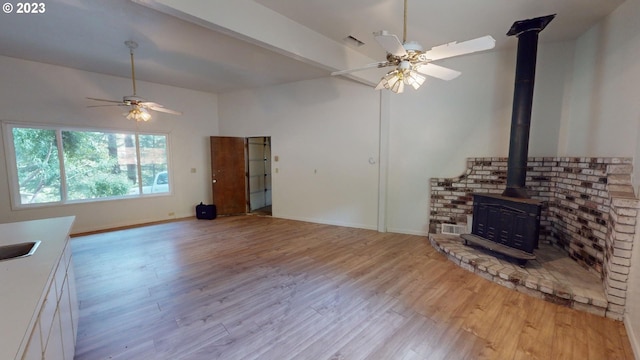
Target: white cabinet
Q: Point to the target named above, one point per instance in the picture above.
(34, 351)
(73, 297)
(66, 321)
(32, 288)
(53, 349)
(46, 314)
(54, 335)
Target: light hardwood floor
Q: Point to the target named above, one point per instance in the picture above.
(251, 287)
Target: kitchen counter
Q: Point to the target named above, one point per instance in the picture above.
(25, 282)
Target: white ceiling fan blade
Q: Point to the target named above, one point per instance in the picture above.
(111, 101)
(165, 110)
(390, 43)
(456, 49)
(368, 66)
(157, 107)
(437, 71)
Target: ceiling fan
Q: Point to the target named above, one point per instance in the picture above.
(413, 63)
(139, 107)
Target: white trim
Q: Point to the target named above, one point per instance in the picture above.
(64, 198)
(408, 232)
(633, 338)
(383, 159)
(327, 222)
(11, 165)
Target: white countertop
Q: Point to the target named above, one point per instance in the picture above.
(23, 281)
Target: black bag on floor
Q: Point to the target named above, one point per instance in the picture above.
(206, 212)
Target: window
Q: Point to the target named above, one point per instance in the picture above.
(38, 166)
(153, 163)
(53, 166)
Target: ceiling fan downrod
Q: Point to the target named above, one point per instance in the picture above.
(132, 45)
(404, 30)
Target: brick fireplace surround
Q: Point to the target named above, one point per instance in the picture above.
(589, 213)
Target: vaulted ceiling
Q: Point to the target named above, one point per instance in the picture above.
(221, 45)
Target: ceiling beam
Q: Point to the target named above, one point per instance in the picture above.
(249, 21)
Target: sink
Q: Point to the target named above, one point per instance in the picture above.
(14, 251)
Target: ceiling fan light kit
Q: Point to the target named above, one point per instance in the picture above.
(412, 63)
(139, 107)
(138, 113)
(395, 80)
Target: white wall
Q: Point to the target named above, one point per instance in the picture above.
(434, 130)
(332, 126)
(46, 94)
(604, 118)
(323, 131)
(632, 307)
(604, 108)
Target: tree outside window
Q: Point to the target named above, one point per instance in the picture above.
(59, 166)
(38, 165)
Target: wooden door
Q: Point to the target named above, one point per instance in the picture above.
(228, 172)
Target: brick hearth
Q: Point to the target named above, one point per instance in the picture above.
(589, 211)
(551, 277)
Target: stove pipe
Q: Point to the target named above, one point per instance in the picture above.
(527, 33)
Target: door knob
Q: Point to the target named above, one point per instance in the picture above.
(215, 181)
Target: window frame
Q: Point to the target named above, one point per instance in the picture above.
(12, 166)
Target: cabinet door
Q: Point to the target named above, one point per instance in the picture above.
(47, 313)
(66, 322)
(73, 298)
(34, 348)
(53, 350)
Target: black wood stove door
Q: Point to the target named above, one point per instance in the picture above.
(512, 223)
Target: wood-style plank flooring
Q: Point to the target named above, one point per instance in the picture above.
(253, 287)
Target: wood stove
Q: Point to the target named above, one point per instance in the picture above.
(510, 224)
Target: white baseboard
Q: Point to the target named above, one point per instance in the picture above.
(327, 222)
(407, 232)
(633, 337)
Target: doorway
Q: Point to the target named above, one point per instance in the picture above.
(259, 174)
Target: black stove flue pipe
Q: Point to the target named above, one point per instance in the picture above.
(527, 33)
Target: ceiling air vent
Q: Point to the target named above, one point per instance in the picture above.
(352, 40)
